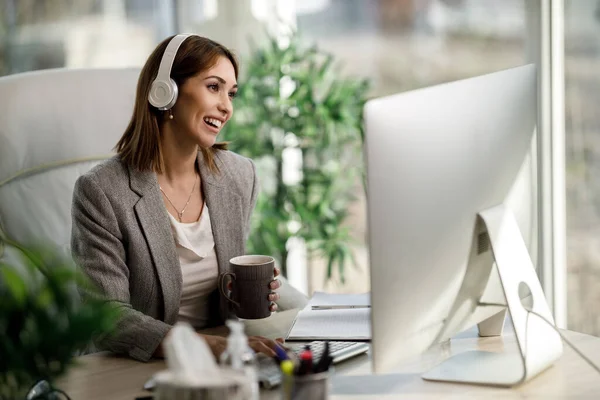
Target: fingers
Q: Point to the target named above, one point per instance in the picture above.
(218, 350)
(216, 344)
(261, 338)
(261, 345)
(281, 343)
(274, 297)
(275, 284)
(269, 342)
(229, 286)
(276, 272)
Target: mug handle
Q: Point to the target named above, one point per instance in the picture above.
(223, 286)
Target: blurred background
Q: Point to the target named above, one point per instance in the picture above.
(396, 45)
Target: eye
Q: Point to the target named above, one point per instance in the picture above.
(232, 95)
(214, 87)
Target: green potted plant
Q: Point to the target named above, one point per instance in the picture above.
(43, 321)
(293, 107)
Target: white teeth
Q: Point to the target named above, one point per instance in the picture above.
(214, 122)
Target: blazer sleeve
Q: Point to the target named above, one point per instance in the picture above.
(97, 247)
(253, 199)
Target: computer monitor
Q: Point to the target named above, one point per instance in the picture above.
(445, 251)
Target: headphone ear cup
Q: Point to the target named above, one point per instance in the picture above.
(163, 94)
(175, 93)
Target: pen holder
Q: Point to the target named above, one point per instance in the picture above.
(300, 387)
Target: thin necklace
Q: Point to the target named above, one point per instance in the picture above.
(180, 213)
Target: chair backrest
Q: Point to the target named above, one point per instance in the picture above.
(54, 126)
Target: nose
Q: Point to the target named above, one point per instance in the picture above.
(225, 107)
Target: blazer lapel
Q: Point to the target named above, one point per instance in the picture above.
(225, 208)
(154, 221)
(226, 215)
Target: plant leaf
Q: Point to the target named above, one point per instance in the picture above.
(14, 284)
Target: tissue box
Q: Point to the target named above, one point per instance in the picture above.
(168, 388)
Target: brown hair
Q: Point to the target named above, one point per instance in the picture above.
(139, 146)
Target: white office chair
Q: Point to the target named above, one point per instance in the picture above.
(54, 126)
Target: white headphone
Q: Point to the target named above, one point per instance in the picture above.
(163, 92)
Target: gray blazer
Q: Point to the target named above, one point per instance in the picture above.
(122, 239)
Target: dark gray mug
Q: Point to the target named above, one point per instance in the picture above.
(251, 277)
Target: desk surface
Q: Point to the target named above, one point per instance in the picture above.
(102, 376)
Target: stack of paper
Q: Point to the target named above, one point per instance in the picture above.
(333, 317)
(322, 300)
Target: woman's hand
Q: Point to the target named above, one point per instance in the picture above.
(274, 285)
(263, 345)
(259, 344)
(217, 344)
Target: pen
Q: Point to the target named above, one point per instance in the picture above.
(306, 361)
(287, 369)
(337, 307)
(280, 353)
(322, 365)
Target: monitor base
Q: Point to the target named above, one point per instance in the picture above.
(479, 368)
(539, 345)
(493, 326)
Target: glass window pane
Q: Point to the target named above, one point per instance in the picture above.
(408, 44)
(582, 137)
(76, 34)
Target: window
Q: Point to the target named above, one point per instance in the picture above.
(43, 34)
(403, 45)
(582, 142)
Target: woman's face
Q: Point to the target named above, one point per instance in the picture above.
(204, 104)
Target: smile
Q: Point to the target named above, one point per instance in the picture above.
(213, 122)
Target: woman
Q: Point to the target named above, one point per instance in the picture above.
(155, 225)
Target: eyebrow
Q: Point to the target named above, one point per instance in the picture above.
(223, 81)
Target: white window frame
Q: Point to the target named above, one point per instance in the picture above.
(546, 49)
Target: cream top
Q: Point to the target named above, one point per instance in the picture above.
(196, 249)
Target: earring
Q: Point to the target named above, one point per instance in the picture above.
(170, 114)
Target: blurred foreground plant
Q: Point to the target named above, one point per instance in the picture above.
(43, 322)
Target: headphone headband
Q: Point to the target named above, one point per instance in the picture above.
(164, 71)
(163, 92)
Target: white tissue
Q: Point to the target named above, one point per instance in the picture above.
(188, 356)
(192, 370)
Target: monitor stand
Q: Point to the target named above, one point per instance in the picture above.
(539, 345)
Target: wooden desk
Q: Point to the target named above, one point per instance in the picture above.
(102, 376)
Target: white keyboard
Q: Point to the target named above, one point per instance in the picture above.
(269, 374)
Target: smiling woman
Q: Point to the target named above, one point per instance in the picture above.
(204, 105)
(157, 224)
(199, 65)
